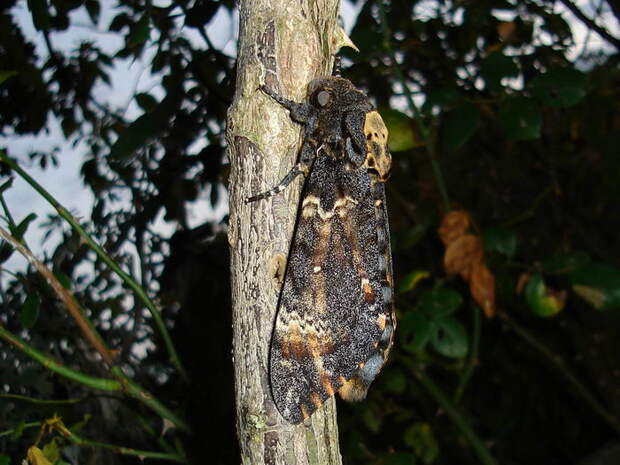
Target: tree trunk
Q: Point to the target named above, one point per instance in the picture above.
(283, 44)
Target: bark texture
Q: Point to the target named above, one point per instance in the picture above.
(283, 44)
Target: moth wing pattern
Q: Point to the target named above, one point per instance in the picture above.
(334, 324)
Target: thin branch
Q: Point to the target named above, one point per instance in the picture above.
(57, 424)
(483, 454)
(121, 384)
(426, 132)
(88, 330)
(601, 31)
(21, 428)
(93, 382)
(560, 365)
(33, 400)
(473, 355)
(128, 280)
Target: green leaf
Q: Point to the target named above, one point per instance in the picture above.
(495, 67)
(560, 87)
(565, 262)
(415, 331)
(40, 14)
(450, 339)
(19, 230)
(93, 8)
(63, 279)
(4, 75)
(140, 32)
(5, 460)
(135, 136)
(18, 430)
(598, 284)
(371, 420)
(410, 280)
(400, 128)
(29, 312)
(6, 185)
(501, 240)
(146, 101)
(51, 451)
(421, 439)
(538, 299)
(520, 118)
(440, 99)
(6, 251)
(461, 123)
(396, 382)
(439, 302)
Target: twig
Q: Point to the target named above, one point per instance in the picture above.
(559, 364)
(85, 325)
(426, 132)
(473, 355)
(93, 382)
(22, 427)
(480, 450)
(601, 31)
(531, 209)
(33, 400)
(128, 280)
(121, 384)
(57, 424)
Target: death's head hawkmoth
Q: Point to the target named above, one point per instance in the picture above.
(335, 322)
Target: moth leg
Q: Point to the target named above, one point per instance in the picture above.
(354, 157)
(356, 142)
(300, 112)
(308, 154)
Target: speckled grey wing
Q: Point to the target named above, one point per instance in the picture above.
(334, 323)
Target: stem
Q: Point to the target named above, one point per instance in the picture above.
(33, 400)
(143, 454)
(85, 325)
(121, 384)
(601, 31)
(128, 280)
(480, 450)
(560, 365)
(473, 356)
(57, 367)
(429, 138)
(23, 427)
(136, 391)
(531, 209)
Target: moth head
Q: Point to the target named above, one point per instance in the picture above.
(325, 91)
(378, 160)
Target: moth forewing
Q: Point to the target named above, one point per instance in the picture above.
(334, 323)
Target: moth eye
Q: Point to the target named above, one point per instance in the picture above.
(323, 98)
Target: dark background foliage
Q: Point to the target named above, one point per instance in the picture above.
(524, 138)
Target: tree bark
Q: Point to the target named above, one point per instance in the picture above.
(283, 44)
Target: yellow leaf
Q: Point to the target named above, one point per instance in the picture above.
(36, 457)
(592, 295)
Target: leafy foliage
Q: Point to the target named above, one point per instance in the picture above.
(490, 113)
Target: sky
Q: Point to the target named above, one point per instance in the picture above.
(128, 77)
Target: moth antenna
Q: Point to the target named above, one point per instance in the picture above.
(337, 66)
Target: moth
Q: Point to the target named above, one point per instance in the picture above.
(335, 321)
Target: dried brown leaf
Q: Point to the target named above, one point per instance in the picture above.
(453, 226)
(462, 254)
(482, 288)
